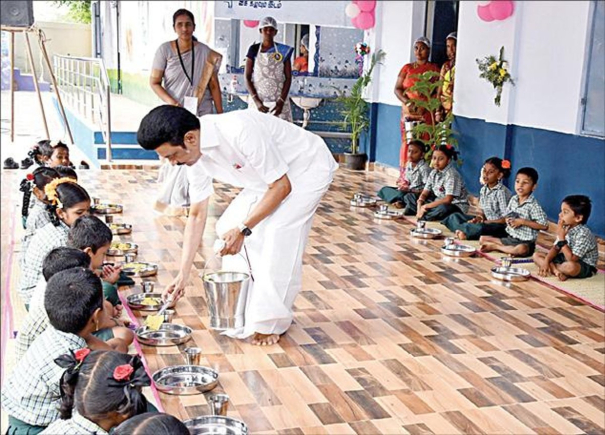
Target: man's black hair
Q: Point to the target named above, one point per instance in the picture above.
(72, 296)
(63, 258)
(89, 232)
(166, 124)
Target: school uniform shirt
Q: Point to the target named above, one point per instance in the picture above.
(31, 392)
(448, 182)
(529, 210)
(37, 218)
(76, 425)
(494, 201)
(37, 299)
(45, 240)
(417, 176)
(583, 244)
(34, 324)
(249, 149)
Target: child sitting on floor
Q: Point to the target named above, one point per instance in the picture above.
(524, 218)
(575, 252)
(99, 391)
(33, 209)
(156, 423)
(493, 200)
(50, 153)
(409, 188)
(36, 321)
(446, 184)
(91, 235)
(68, 201)
(30, 394)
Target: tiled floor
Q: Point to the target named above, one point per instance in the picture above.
(389, 336)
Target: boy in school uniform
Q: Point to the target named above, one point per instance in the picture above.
(574, 253)
(524, 219)
(36, 321)
(30, 394)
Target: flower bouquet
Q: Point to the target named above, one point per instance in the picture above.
(496, 72)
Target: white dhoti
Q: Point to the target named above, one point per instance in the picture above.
(173, 188)
(275, 250)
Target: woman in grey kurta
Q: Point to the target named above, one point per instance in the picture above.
(184, 73)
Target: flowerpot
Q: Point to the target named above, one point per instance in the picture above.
(356, 161)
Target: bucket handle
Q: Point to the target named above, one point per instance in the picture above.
(217, 250)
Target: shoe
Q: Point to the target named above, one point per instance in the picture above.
(26, 163)
(10, 164)
(84, 165)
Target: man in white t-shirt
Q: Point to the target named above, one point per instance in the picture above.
(284, 171)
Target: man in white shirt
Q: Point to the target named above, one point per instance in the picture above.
(284, 171)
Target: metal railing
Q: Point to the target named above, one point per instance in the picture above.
(84, 85)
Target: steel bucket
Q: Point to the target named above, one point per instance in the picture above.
(226, 294)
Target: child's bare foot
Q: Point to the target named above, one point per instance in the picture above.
(487, 247)
(264, 339)
(460, 235)
(561, 276)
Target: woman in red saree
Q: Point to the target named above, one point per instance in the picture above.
(405, 80)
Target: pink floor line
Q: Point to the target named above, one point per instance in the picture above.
(137, 346)
(7, 307)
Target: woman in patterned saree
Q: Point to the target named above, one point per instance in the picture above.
(405, 80)
(184, 73)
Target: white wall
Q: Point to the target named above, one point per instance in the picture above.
(61, 38)
(545, 45)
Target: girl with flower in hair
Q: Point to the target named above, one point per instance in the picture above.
(67, 202)
(99, 390)
(31, 393)
(444, 185)
(493, 200)
(33, 211)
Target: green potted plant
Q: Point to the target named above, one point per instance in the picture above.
(355, 111)
(435, 133)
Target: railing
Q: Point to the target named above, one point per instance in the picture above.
(84, 85)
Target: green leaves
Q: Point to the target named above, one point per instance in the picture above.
(79, 10)
(496, 72)
(354, 107)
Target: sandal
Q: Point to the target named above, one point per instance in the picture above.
(26, 163)
(10, 164)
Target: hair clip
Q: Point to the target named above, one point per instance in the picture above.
(505, 164)
(29, 177)
(123, 372)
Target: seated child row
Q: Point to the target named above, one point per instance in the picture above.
(68, 382)
(506, 223)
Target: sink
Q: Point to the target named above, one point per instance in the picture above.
(306, 103)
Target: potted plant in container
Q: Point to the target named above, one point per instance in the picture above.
(355, 111)
(436, 133)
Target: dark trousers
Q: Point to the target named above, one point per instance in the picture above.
(459, 221)
(18, 427)
(434, 214)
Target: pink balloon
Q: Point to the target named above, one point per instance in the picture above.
(484, 13)
(366, 5)
(364, 21)
(501, 10)
(250, 23)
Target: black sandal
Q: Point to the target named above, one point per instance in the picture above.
(26, 163)
(10, 164)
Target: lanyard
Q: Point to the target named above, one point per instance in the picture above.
(178, 50)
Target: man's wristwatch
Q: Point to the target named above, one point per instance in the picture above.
(244, 229)
(561, 243)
